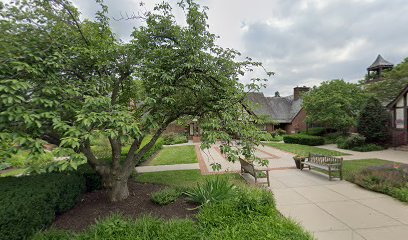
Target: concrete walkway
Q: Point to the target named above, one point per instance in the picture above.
(161, 168)
(388, 154)
(338, 209)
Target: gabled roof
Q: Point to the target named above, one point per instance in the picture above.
(380, 62)
(401, 94)
(280, 109)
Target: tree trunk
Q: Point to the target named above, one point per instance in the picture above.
(119, 190)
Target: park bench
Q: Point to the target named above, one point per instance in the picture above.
(327, 163)
(248, 167)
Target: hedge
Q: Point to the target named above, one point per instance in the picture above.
(30, 203)
(303, 139)
(316, 131)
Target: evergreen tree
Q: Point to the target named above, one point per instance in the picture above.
(373, 122)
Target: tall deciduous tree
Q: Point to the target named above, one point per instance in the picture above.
(373, 122)
(334, 104)
(64, 80)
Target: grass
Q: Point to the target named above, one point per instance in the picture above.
(181, 178)
(175, 155)
(304, 150)
(354, 166)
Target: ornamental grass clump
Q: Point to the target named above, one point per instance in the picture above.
(213, 190)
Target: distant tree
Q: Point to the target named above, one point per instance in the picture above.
(277, 94)
(394, 81)
(373, 122)
(65, 80)
(334, 104)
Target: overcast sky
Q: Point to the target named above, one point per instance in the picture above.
(304, 42)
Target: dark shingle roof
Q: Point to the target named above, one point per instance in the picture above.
(280, 109)
(380, 62)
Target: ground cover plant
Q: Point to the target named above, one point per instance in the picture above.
(166, 196)
(175, 155)
(304, 150)
(379, 175)
(248, 214)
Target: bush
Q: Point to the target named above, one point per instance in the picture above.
(303, 139)
(351, 142)
(166, 196)
(174, 138)
(389, 179)
(212, 190)
(368, 148)
(93, 181)
(373, 122)
(316, 131)
(30, 203)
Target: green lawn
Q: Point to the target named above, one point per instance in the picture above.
(304, 150)
(175, 155)
(181, 178)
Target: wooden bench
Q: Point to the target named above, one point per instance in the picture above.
(327, 163)
(248, 167)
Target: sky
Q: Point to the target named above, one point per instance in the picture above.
(304, 42)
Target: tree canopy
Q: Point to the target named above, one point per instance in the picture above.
(334, 104)
(392, 84)
(64, 80)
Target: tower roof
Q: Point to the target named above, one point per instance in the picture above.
(380, 62)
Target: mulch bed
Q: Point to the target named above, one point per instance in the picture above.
(95, 206)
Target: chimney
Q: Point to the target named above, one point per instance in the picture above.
(298, 91)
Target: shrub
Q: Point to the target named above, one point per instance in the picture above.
(166, 196)
(174, 138)
(303, 139)
(4, 165)
(316, 131)
(30, 203)
(212, 190)
(265, 136)
(388, 179)
(368, 148)
(373, 122)
(353, 141)
(93, 181)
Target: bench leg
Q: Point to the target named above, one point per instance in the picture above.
(267, 178)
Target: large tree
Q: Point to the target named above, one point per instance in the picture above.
(65, 80)
(334, 104)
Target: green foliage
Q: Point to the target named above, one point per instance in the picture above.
(173, 138)
(373, 122)
(351, 142)
(213, 190)
(30, 203)
(175, 155)
(251, 215)
(304, 150)
(4, 165)
(166, 196)
(368, 148)
(316, 131)
(304, 139)
(393, 83)
(389, 179)
(334, 104)
(93, 181)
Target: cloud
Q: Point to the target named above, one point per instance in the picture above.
(304, 41)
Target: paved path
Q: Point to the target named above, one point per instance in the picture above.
(161, 168)
(388, 154)
(338, 209)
